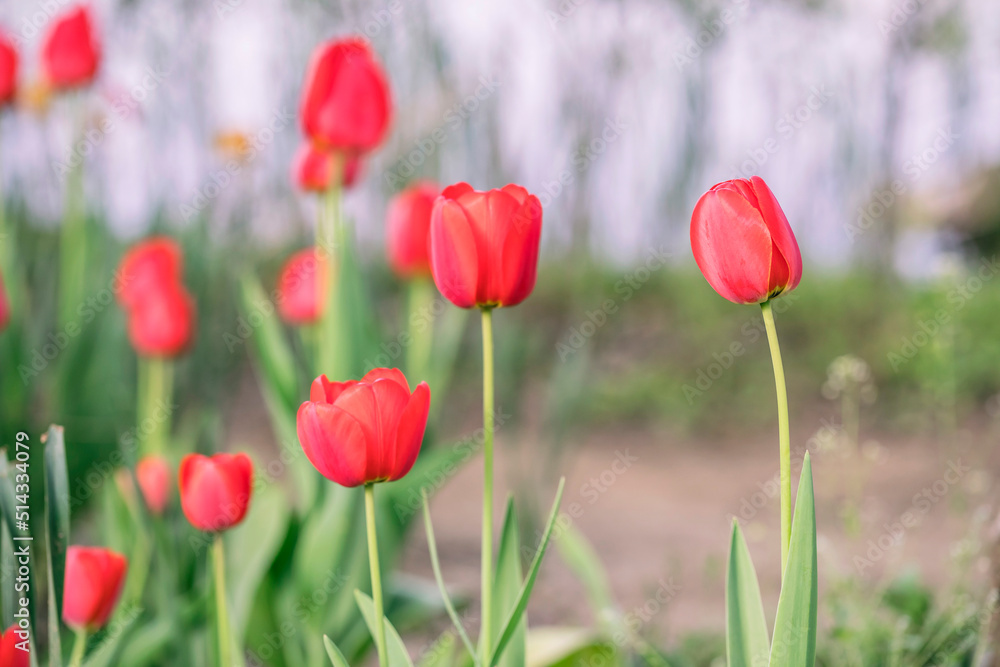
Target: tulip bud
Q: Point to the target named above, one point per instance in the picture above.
(153, 475)
(215, 491)
(407, 226)
(4, 306)
(93, 583)
(161, 325)
(71, 51)
(148, 266)
(346, 105)
(312, 169)
(298, 287)
(8, 71)
(357, 432)
(743, 243)
(484, 245)
(11, 655)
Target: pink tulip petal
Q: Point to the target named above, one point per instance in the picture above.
(410, 431)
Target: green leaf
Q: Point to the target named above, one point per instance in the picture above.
(507, 586)
(328, 537)
(441, 652)
(511, 625)
(747, 643)
(794, 641)
(336, 657)
(273, 354)
(581, 558)
(57, 522)
(398, 657)
(569, 646)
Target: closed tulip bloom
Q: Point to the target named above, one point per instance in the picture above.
(346, 104)
(407, 225)
(93, 583)
(484, 245)
(153, 474)
(312, 169)
(8, 76)
(299, 300)
(358, 432)
(149, 266)
(215, 491)
(162, 323)
(10, 654)
(71, 52)
(742, 242)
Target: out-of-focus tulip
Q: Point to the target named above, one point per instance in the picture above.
(10, 654)
(312, 169)
(346, 104)
(298, 292)
(162, 323)
(8, 71)
(215, 491)
(149, 266)
(484, 245)
(357, 432)
(742, 242)
(71, 52)
(407, 225)
(4, 306)
(153, 474)
(94, 578)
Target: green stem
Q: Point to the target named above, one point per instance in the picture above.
(486, 581)
(329, 242)
(421, 327)
(79, 648)
(383, 654)
(784, 446)
(156, 380)
(221, 608)
(73, 237)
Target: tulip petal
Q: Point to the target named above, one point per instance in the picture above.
(334, 442)
(456, 191)
(82, 598)
(410, 431)
(391, 399)
(492, 215)
(323, 390)
(781, 236)
(454, 253)
(520, 252)
(393, 374)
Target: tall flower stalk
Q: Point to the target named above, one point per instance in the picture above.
(332, 352)
(486, 580)
(784, 443)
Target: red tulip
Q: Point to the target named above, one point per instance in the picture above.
(4, 306)
(71, 51)
(484, 245)
(742, 242)
(153, 474)
(215, 491)
(298, 300)
(346, 105)
(312, 169)
(161, 325)
(407, 225)
(8, 75)
(357, 432)
(10, 654)
(94, 579)
(151, 265)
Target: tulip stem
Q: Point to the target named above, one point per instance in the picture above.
(421, 326)
(383, 654)
(784, 447)
(79, 648)
(221, 608)
(73, 233)
(330, 240)
(156, 388)
(486, 582)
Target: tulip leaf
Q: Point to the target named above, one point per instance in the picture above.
(507, 585)
(57, 522)
(794, 640)
(441, 652)
(510, 627)
(326, 540)
(398, 657)
(274, 355)
(336, 657)
(747, 642)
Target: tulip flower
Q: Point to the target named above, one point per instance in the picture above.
(8, 70)
(215, 491)
(71, 51)
(299, 284)
(94, 579)
(743, 244)
(12, 655)
(153, 475)
(346, 104)
(149, 266)
(161, 325)
(407, 225)
(484, 245)
(312, 169)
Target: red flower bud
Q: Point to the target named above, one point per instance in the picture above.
(407, 225)
(215, 491)
(484, 245)
(346, 105)
(71, 51)
(312, 169)
(742, 242)
(148, 266)
(94, 579)
(298, 287)
(153, 474)
(8, 75)
(161, 324)
(10, 654)
(357, 432)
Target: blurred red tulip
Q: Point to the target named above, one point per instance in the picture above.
(8, 75)
(346, 104)
(71, 52)
(742, 242)
(484, 245)
(298, 300)
(151, 265)
(311, 169)
(407, 225)
(162, 323)
(215, 491)
(357, 432)
(10, 654)
(153, 474)
(94, 579)
(4, 306)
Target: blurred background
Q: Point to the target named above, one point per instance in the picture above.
(874, 123)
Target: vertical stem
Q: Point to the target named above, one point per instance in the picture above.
(329, 242)
(486, 582)
(221, 609)
(73, 235)
(784, 446)
(79, 648)
(383, 655)
(156, 388)
(421, 327)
